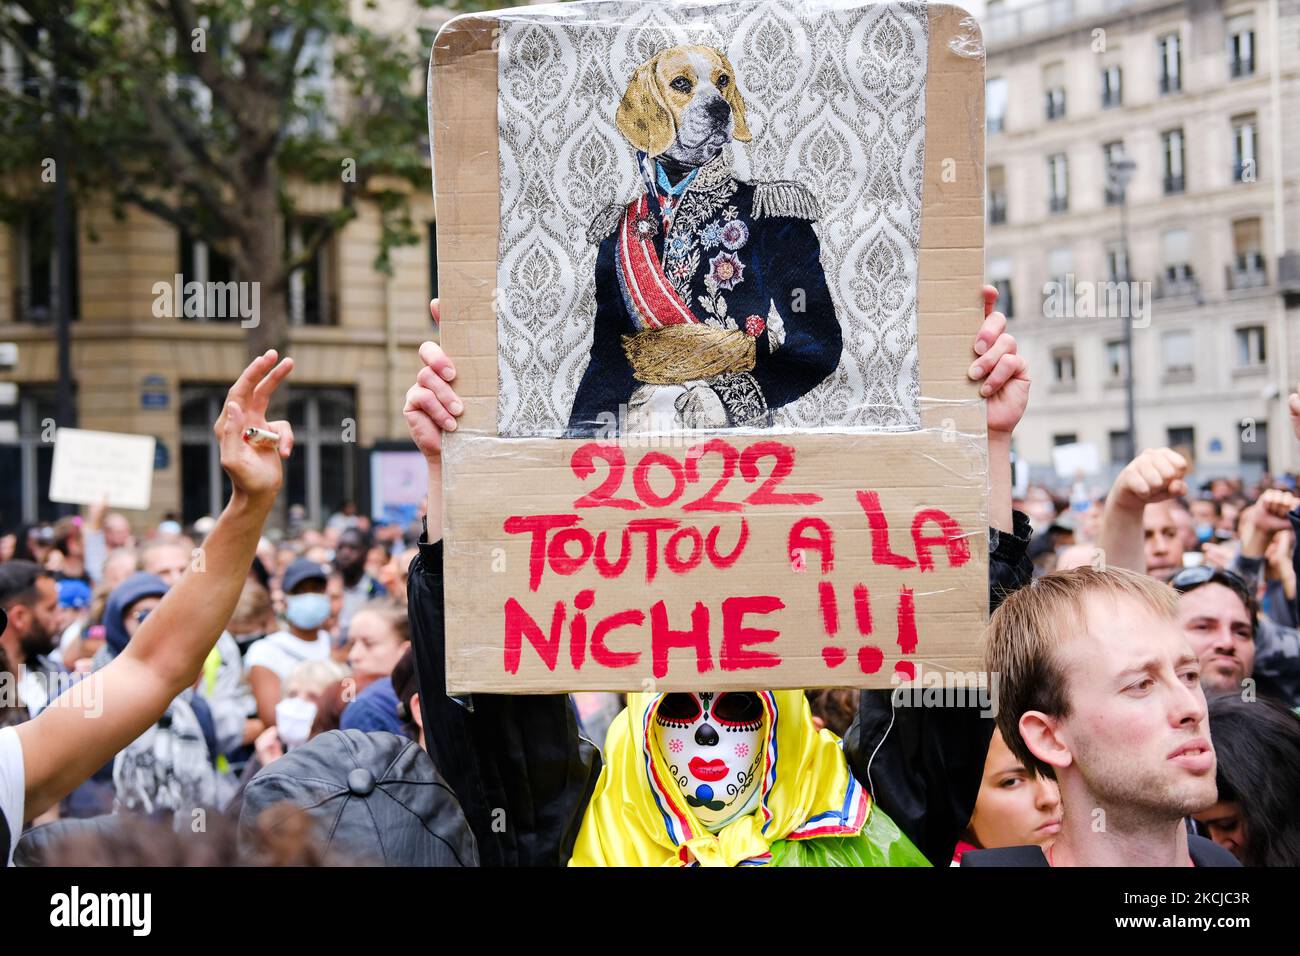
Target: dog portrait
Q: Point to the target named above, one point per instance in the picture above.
(712, 307)
(710, 218)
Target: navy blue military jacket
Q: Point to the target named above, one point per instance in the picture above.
(741, 256)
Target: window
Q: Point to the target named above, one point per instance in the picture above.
(1173, 159)
(997, 191)
(1111, 154)
(1245, 140)
(995, 105)
(36, 299)
(1117, 262)
(1058, 183)
(1169, 50)
(199, 262)
(1247, 268)
(25, 458)
(1115, 363)
(1063, 368)
(1054, 90)
(322, 470)
(1251, 348)
(1119, 450)
(1177, 277)
(1060, 266)
(1181, 438)
(204, 485)
(433, 260)
(1176, 355)
(311, 288)
(1112, 87)
(999, 271)
(1241, 47)
(1065, 438)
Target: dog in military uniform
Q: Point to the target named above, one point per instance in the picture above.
(712, 308)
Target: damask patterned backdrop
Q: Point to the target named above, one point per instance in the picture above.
(834, 95)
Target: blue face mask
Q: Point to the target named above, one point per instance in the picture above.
(307, 611)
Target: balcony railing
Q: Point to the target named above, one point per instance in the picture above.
(1178, 283)
(1242, 66)
(1175, 184)
(1247, 272)
(1058, 203)
(1171, 84)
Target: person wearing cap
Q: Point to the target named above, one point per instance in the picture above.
(268, 662)
(44, 759)
(374, 798)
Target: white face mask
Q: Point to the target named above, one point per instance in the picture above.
(712, 744)
(293, 719)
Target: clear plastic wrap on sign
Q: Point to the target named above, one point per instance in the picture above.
(710, 273)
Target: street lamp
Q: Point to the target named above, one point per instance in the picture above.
(1119, 173)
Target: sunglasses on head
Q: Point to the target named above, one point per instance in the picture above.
(1189, 578)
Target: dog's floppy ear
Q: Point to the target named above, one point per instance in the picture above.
(732, 95)
(642, 116)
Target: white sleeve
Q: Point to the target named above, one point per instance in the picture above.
(12, 787)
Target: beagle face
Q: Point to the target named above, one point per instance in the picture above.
(683, 103)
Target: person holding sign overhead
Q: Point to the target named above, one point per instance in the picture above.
(707, 778)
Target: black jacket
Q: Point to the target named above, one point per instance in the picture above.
(524, 774)
(924, 765)
(1202, 851)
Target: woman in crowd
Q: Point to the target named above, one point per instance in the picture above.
(1015, 807)
(1257, 743)
(379, 634)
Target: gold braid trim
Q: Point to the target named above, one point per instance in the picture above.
(785, 198)
(682, 353)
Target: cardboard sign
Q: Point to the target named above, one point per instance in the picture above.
(670, 474)
(90, 464)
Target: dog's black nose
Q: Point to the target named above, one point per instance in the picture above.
(719, 109)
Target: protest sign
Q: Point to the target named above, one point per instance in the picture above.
(89, 465)
(774, 472)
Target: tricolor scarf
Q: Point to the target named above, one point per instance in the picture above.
(639, 817)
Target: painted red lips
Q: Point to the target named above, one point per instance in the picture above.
(707, 770)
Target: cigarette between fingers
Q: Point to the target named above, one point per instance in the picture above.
(260, 436)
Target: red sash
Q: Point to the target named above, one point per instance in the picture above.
(650, 297)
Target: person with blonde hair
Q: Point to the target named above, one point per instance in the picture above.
(1099, 690)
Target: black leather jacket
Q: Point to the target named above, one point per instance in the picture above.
(524, 773)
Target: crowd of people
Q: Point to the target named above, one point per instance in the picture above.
(1145, 643)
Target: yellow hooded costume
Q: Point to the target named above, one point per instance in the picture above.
(811, 811)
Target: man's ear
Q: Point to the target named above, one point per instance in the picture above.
(740, 127)
(643, 116)
(1042, 735)
(416, 714)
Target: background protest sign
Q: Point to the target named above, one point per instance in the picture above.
(757, 557)
(89, 465)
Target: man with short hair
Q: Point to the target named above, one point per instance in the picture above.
(1218, 613)
(168, 559)
(1099, 689)
(358, 587)
(30, 596)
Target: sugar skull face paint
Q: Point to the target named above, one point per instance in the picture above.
(712, 744)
